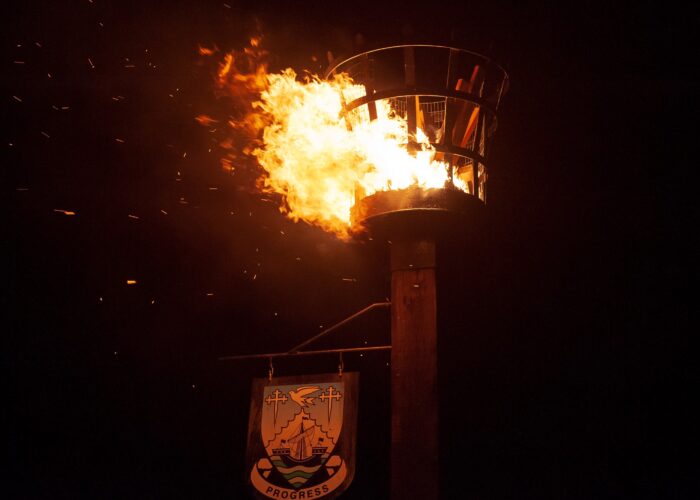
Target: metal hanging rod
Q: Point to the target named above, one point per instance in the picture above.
(305, 353)
(295, 351)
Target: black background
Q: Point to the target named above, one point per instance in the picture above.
(569, 354)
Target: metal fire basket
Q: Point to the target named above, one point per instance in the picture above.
(453, 96)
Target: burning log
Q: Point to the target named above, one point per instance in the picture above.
(465, 127)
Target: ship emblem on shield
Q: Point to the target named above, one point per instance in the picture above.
(302, 451)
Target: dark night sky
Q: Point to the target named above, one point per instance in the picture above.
(571, 337)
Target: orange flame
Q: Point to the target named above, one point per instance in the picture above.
(311, 153)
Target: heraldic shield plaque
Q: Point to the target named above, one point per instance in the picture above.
(301, 436)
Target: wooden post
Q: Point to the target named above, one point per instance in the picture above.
(414, 390)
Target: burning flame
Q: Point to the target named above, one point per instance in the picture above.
(311, 153)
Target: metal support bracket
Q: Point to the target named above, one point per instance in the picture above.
(296, 350)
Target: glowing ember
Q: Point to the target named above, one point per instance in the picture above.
(64, 212)
(314, 156)
(207, 51)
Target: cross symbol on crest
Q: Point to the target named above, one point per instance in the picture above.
(330, 397)
(269, 400)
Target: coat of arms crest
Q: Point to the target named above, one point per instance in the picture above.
(301, 441)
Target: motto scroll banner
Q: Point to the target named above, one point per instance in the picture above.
(301, 436)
